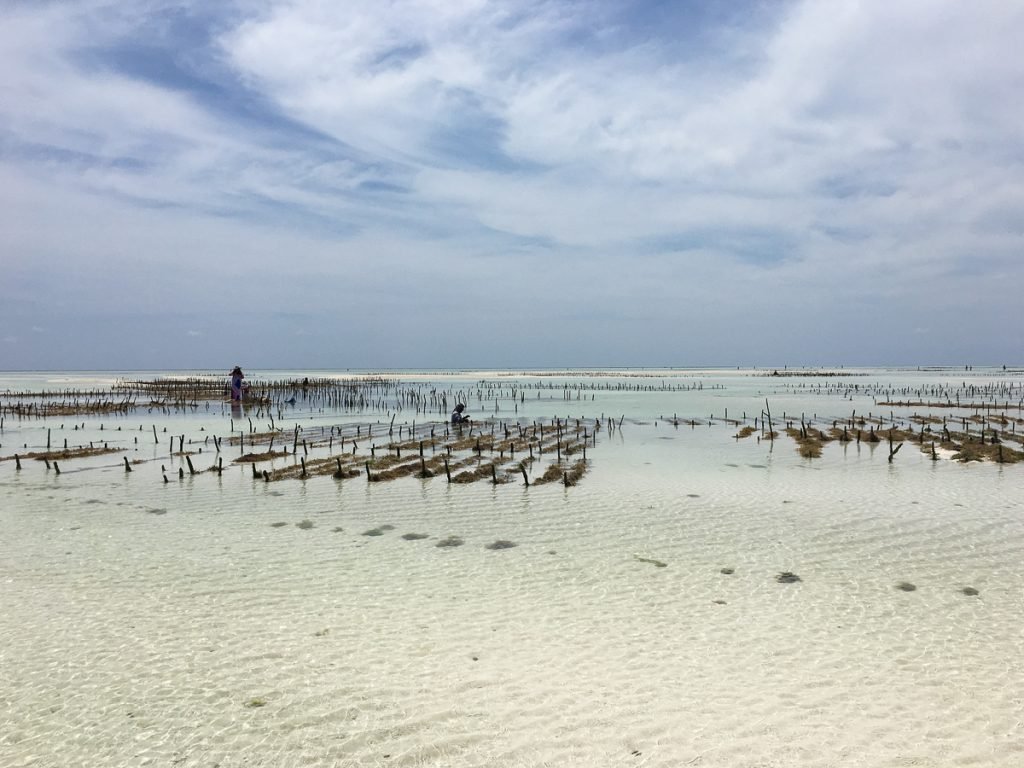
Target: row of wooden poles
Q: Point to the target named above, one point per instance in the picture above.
(351, 395)
(558, 427)
(1003, 394)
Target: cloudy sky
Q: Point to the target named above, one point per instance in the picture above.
(475, 183)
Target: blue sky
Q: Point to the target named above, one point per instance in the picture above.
(474, 184)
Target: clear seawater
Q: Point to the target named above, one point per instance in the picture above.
(218, 620)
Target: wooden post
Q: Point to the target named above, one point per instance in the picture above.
(893, 451)
(447, 471)
(191, 469)
(525, 478)
(127, 466)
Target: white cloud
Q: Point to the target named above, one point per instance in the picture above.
(863, 154)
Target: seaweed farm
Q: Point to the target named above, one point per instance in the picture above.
(361, 436)
(486, 450)
(602, 568)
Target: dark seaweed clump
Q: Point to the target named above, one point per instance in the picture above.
(655, 563)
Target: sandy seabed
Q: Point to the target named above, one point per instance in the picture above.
(226, 622)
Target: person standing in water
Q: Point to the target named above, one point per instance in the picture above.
(236, 384)
(458, 417)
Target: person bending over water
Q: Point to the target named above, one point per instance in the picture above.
(458, 415)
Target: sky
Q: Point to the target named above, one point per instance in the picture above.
(475, 183)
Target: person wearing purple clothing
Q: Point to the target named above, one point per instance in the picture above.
(236, 383)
